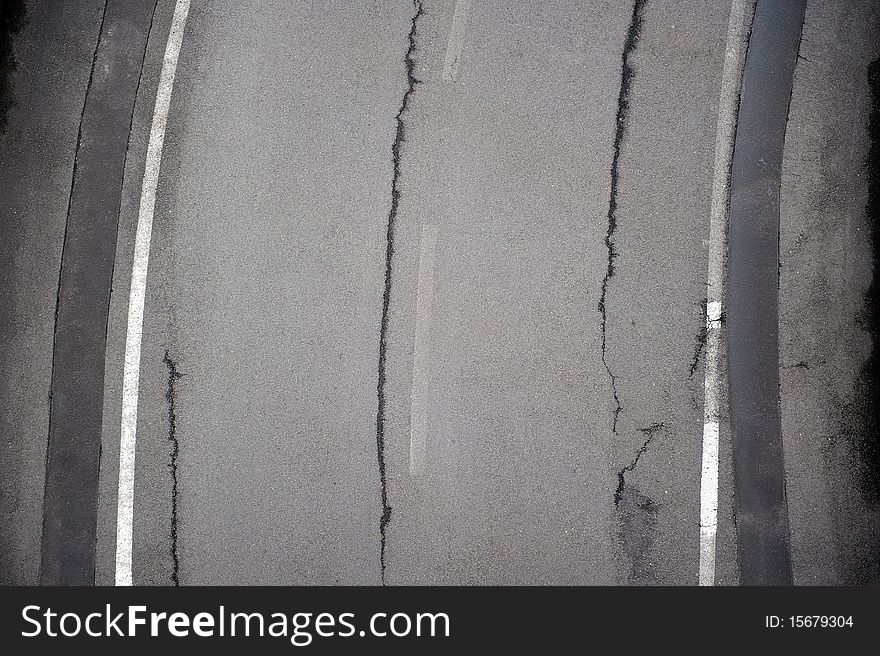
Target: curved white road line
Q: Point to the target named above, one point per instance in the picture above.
(131, 373)
(728, 103)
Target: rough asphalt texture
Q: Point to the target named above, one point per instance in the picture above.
(826, 258)
(257, 441)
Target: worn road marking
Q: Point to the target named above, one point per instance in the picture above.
(131, 372)
(731, 79)
(452, 60)
(418, 444)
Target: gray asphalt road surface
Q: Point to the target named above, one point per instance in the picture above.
(426, 297)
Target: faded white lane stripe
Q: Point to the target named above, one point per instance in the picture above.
(452, 60)
(418, 444)
(137, 293)
(731, 80)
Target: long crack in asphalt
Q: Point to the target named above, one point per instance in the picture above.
(399, 139)
(171, 400)
(626, 76)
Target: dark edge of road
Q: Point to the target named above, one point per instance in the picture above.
(753, 294)
(13, 15)
(73, 455)
(869, 446)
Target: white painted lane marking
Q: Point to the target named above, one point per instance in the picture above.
(731, 80)
(709, 503)
(418, 443)
(452, 60)
(137, 294)
(709, 469)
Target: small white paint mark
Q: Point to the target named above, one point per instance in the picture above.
(137, 295)
(713, 312)
(731, 80)
(418, 443)
(452, 60)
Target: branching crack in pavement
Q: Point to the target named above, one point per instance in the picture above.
(171, 398)
(399, 139)
(650, 432)
(626, 75)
